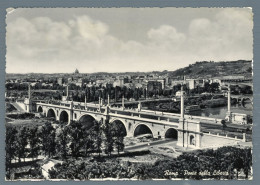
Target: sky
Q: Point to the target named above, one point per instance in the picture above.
(59, 40)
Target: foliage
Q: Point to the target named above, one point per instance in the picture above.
(47, 136)
(10, 148)
(21, 116)
(34, 141)
(62, 141)
(22, 143)
(118, 133)
(225, 159)
(206, 162)
(76, 135)
(108, 140)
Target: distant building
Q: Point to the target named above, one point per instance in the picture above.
(178, 93)
(162, 81)
(120, 81)
(60, 81)
(191, 83)
(154, 86)
(69, 80)
(76, 71)
(79, 82)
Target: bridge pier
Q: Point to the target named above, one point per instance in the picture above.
(189, 133)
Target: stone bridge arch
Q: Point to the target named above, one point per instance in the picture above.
(40, 109)
(50, 113)
(87, 119)
(247, 98)
(171, 133)
(64, 116)
(143, 128)
(125, 130)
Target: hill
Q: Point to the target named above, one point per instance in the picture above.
(214, 69)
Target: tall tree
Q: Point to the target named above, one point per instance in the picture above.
(76, 135)
(22, 142)
(97, 136)
(11, 138)
(118, 133)
(48, 139)
(109, 142)
(63, 141)
(34, 142)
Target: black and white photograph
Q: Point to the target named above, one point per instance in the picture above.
(129, 94)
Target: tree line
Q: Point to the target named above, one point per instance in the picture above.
(63, 141)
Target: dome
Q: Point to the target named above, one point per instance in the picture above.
(76, 71)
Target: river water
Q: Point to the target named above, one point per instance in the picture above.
(220, 112)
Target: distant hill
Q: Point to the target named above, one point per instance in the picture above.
(204, 69)
(214, 69)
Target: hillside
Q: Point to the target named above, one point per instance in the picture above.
(214, 69)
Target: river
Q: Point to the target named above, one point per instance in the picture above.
(220, 112)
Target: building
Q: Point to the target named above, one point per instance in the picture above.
(60, 81)
(162, 81)
(191, 83)
(154, 86)
(76, 71)
(79, 82)
(178, 93)
(120, 81)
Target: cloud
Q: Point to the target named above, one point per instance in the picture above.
(166, 33)
(90, 29)
(227, 37)
(42, 44)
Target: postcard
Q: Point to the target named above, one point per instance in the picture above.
(129, 93)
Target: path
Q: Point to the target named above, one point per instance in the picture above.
(47, 166)
(147, 145)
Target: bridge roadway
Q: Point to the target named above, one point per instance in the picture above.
(129, 113)
(135, 121)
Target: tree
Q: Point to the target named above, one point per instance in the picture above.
(109, 142)
(118, 134)
(247, 161)
(87, 139)
(22, 143)
(97, 136)
(136, 95)
(48, 139)
(11, 138)
(119, 143)
(76, 135)
(238, 165)
(34, 142)
(63, 141)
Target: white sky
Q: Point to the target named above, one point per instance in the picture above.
(50, 40)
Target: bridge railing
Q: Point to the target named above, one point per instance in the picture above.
(156, 121)
(240, 137)
(147, 114)
(152, 115)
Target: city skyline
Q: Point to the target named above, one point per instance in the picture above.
(113, 40)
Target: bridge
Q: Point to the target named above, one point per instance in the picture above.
(185, 129)
(242, 98)
(157, 122)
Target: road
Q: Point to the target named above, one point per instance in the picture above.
(20, 109)
(147, 145)
(230, 126)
